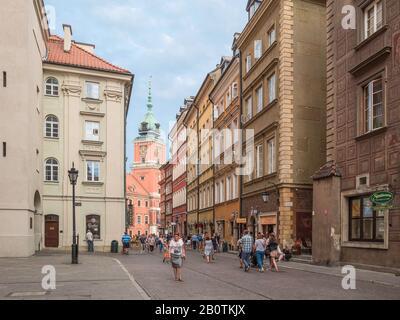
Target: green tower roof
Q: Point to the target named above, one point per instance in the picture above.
(150, 123)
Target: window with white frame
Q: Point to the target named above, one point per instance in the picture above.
(93, 171)
(248, 63)
(271, 88)
(271, 36)
(217, 193)
(146, 219)
(92, 90)
(51, 127)
(228, 98)
(235, 186)
(373, 18)
(235, 90)
(139, 219)
(222, 192)
(51, 170)
(259, 161)
(249, 108)
(228, 188)
(259, 94)
(271, 156)
(92, 130)
(257, 49)
(373, 105)
(52, 87)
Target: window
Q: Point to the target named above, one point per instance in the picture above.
(271, 88)
(139, 219)
(146, 219)
(4, 79)
(51, 127)
(259, 94)
(92, 90)
(260, 162)
(93, 224)
(93, 171)
(228, 98)
(271, 156)
(138, 203)
(217, 193)
(235, 187)
(228, 189)
(147, 204)
(366, 224)
(221, 192)
(373, 18)
(52, 87)
(257, 49)
(235, 90)
(271, 36)
(249, 107)
(248, 63)
(51, 170)
(92, 130)
(373, 105)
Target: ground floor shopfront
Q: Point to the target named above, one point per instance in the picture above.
(351, 229)
(286, 211)
(104, 218)
(225, 221)
(206, 221)
(179, 220)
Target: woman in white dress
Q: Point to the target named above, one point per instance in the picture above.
(208, 249)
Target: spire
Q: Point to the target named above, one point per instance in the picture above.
(150, 99)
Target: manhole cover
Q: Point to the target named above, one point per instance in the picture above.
(27, 294)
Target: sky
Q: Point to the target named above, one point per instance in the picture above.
(176, 42)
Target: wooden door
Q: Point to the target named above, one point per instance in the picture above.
(51, 232)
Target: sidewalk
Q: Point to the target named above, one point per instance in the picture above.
(384, 278)
(95, 277)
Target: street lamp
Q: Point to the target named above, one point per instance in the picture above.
(73, 178)
(265, 196)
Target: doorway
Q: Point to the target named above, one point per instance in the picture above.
(51, 235)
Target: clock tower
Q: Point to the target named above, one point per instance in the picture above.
(142, 182)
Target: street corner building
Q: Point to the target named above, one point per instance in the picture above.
(363, 139)
(143, 189)
(61, 104)
(283, 88)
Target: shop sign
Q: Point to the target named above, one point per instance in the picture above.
(382, 199)
(241, 220)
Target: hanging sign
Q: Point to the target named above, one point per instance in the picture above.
(382, 199)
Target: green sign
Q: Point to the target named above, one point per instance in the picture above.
(382, 198)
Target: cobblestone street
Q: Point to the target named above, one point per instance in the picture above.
(141, 277)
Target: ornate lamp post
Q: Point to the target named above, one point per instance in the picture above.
(73, 178)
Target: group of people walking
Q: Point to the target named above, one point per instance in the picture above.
(263, 246)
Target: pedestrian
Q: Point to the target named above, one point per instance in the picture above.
(208, 249)
(126, 243)
(273, 249)
(167, 255)
(89, 240)
(152, 242)
(195, 241)
(161, 243)
(247, 248)
(259, 249)
(215, 243)
(239, 245)
(177, 252)
(142, 241)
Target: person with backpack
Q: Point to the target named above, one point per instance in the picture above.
(272, 245)
(126, 243)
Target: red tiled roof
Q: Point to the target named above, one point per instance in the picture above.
(78, 57)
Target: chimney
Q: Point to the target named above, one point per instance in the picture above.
(67, 37)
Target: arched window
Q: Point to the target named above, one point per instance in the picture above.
(51, 170)
(52, 87)
(51, 127)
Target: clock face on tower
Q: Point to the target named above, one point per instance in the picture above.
(143, 151)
